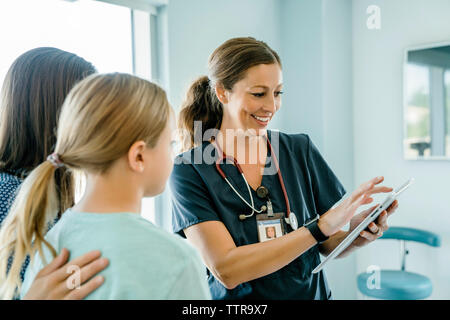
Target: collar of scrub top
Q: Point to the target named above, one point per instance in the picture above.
(222, 155)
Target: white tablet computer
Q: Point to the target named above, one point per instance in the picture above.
(363, 225)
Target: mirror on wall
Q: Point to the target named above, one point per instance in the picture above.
(427, 102)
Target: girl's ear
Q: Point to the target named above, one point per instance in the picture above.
(136, 156)
(221, 94)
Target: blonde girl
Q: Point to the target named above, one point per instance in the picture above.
(116, 129)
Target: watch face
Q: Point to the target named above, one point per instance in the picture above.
(293, 221)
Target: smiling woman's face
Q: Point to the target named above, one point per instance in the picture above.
(254, 100)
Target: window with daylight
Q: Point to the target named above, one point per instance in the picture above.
(115, 38)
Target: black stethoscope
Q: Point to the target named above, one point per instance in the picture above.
(262, 191)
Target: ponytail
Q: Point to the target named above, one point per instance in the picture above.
(23, 231)
(201, 104)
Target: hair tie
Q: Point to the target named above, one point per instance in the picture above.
(55, 161)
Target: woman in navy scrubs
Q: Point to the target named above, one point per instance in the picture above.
(223, 208)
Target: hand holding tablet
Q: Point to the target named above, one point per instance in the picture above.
(375, 212)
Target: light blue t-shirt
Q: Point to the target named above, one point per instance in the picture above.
(145, 262)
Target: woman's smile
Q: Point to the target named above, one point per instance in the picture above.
(261, 120)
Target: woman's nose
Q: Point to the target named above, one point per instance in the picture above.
(271, 105)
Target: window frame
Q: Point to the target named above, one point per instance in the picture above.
(405, 102)
(152, 15)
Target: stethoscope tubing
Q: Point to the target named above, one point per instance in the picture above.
(223, 156)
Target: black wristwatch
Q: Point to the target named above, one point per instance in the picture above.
(315, 230)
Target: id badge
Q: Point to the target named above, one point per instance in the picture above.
(270, 226)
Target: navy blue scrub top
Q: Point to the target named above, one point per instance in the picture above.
(200, 194)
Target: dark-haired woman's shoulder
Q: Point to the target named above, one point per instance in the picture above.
(9, 185)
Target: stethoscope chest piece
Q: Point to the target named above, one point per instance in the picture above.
(292, 221)
(262, 192)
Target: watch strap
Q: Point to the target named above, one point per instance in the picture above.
(313, 227)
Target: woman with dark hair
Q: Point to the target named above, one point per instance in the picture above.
(269, 177)
(31, 99)
(32, 95)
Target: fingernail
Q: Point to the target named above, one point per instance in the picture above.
(104, 261)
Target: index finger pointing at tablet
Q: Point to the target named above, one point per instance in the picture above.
(365, 188)
(382, 189)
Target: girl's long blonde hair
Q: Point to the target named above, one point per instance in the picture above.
(101, 118)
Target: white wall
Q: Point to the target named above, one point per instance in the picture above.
(378, 125)
(301, 53)
(338, 119)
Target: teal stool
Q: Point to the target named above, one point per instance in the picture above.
(401, 284)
